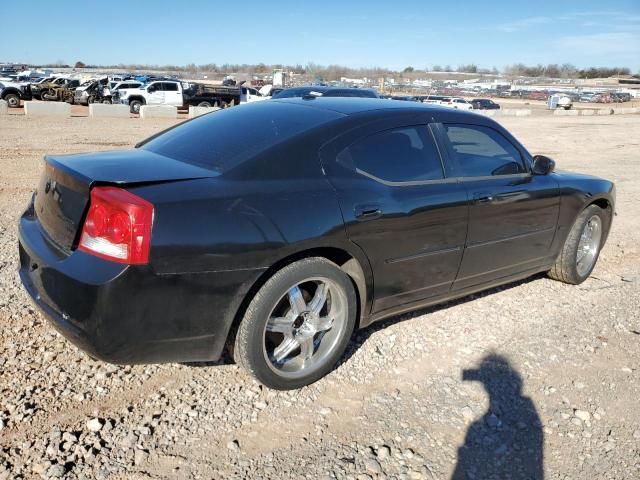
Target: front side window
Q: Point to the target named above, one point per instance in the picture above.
(483, 152)
(406, 154)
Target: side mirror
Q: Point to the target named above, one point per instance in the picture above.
(542, 165)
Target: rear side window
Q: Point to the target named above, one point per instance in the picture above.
(405, 154)
(222, 140)
(169, 87)
(483, 152)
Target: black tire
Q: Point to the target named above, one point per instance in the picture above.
(134, 106)
(250, 340)
(13, 99)
(565, 268)
(204, 104)
(91, 99)
(107, 101)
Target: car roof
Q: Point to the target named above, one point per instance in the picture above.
(353, 105)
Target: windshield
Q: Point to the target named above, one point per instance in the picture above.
(223, 140)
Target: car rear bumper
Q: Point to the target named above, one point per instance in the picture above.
(128, 314)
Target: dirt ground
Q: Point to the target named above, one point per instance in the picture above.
(537, 375)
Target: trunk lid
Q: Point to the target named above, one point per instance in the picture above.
(63, 193)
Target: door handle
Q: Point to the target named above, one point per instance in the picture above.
(368, 212)
(483, 198)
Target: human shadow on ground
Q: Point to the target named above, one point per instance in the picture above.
(507, 441)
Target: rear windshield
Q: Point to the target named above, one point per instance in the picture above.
(223, 140)
(351, 92)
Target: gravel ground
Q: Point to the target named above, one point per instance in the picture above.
(537, 375)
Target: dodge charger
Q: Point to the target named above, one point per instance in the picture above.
(275, 229)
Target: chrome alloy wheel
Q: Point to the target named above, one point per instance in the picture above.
(305, 327)
(588, 245)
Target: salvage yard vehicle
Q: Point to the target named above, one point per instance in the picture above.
(35, 86)
(279, 240)
(484, 104)
(179, 94)
(59, 90)
(93, 91)
(324, 91)
(13, 93)
(560, 101)
(457, 103)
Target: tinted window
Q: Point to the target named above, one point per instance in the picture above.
(298, 92)
(481, 151)
(351, 92)
(222, 140)
(399, 155)
(170, 87)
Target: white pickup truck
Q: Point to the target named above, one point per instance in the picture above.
(183, 94)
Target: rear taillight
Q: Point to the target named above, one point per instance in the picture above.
(118, 226)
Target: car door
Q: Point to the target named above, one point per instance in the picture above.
(155, 94)
(172, 94)
(400, 208)
(513, 214)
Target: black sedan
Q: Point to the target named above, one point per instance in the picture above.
(326, 215)
(484, 104)
(325, 91)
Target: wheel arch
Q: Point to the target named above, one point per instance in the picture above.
(345, 260)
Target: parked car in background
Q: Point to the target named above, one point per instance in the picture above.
(537, 95)
(280, 227)
(249, 94)
(93, 91)
(13, 93)
(404, 98)
(431, 98)
(457, 103)
(484, 104)
(178, 94)
(59, 90)
(36, 85)
(325, 91)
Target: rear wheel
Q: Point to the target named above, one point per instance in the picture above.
(204, 104)
(134, 106)
(582, 246)
(298, 324)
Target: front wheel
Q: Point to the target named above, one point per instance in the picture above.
(582, 247)
(298, 324)
(13, 100)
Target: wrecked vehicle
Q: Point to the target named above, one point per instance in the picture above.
(92, 91)
(60, 90)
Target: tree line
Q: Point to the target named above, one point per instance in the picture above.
(335, 72)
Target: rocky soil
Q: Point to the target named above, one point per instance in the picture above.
(538, 375)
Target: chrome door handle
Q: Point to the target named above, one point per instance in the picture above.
(368, 212)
